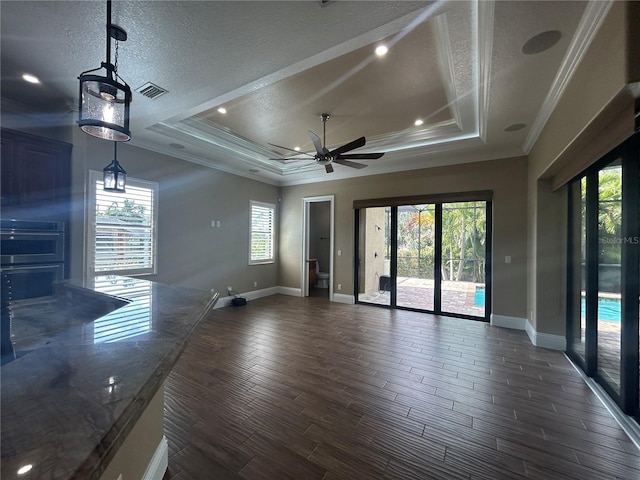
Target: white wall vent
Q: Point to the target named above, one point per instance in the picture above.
(151, 90)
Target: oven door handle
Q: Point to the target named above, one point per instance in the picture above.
(30, 267)
(12, 235)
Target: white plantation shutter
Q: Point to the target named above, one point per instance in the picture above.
(123, 228)
(262, 233)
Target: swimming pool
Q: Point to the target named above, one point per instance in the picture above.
(479, 300)
(608, 308)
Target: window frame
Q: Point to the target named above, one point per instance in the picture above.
(90, 222)
(272, 207)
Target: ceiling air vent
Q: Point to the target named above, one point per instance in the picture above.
(151, 90)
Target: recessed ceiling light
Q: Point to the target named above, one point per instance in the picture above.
(297, 149)
(515, 127)
(381, 50)
(27, 77)
(541, 42)
(222, 110)
(418, 122)
(177, 146)
(24, 469)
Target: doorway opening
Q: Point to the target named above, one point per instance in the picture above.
(317, 246)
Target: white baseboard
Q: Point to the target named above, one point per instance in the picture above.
(265, 292)
(342, 298)
(291, 291)
(544, 340)
(159, 462)
(505, 321)
(294, 292)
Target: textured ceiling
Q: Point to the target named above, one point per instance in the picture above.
(276, 66)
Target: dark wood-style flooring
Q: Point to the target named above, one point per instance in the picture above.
(300, 388)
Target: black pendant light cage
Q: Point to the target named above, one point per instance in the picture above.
(105, 100)
(114, 177)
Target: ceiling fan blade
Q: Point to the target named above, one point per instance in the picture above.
(317, 143)
(290, 149)
(361, 156)
(328, 168)
(347, 163)
(349, 146)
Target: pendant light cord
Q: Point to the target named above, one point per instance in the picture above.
(108, 31)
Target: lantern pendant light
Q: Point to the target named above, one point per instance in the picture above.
(113, 175)
(104, 100)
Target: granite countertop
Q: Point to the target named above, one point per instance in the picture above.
(89, 360)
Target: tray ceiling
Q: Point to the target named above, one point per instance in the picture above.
(276, 66)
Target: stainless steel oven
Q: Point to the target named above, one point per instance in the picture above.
(29, 281)
(31, 256)
(29, 242)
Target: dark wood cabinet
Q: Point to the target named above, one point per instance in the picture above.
(35, 178)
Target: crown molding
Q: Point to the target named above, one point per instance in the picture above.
(486, 14)
(445, 57)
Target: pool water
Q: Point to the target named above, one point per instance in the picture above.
(608, 308)
(479, 301)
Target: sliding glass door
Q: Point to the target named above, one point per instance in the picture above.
(576, 304)
(436, 257)
(415, 252)
(374, 261)
(464, 249)
(609, 294)
(603, 314)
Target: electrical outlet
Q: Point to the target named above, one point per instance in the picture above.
(339, 286)
(255, 284)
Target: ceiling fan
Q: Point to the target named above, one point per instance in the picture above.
(338, 155)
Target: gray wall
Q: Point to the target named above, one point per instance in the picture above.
(507, 179)
(190, 252)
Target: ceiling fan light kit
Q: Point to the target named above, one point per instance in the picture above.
(325, 157)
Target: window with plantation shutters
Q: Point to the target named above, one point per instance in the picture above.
(262, 233)
(122, 228)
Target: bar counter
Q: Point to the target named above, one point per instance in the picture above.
(88, 362)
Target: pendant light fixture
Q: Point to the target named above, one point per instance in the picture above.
(104, 100)
(114, 177)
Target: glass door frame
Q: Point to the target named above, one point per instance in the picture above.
(629, 396)
(393, 238)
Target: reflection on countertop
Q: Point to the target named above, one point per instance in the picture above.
(88, 361)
